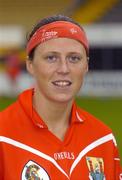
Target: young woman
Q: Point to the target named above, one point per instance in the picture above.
(44, 135)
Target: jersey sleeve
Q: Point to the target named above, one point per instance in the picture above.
(1, 162)
(118, 169)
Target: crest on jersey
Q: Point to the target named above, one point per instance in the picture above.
(32, 171)
(96, 168)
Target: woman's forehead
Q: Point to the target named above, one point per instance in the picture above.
(65, 44)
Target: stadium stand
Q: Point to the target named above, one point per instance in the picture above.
(27, 12)
(91, 11)
(114, 15)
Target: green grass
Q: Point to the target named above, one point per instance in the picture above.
(108, 110)
(4, 102)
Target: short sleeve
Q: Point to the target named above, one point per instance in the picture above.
(118, 169)
(1, 162)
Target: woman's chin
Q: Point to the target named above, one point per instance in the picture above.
(63, 99)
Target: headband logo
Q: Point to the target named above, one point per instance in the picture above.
(46, 35)
(73, 31)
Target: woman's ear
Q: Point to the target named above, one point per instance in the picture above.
(87, 65)
(29, 66)
(87, 68)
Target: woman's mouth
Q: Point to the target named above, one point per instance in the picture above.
(62, 83)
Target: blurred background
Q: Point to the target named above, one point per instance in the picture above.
(102, 20)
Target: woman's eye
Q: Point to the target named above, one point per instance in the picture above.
(51, 58)
(74, 59)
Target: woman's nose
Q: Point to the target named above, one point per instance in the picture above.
(63, 67)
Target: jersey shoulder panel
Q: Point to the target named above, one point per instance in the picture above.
(93, 122)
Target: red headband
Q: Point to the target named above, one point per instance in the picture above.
(55, 30)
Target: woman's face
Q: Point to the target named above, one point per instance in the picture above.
(59, 66)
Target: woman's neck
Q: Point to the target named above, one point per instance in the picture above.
(56, 115)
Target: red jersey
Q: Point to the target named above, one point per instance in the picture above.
(28, 150)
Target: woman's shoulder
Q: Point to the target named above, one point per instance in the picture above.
(93, 122)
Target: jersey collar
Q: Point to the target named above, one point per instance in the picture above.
(25, 100)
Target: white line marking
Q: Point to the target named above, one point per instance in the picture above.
(90, 147)
(32, 150)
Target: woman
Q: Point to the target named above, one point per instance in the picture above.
(44, 135)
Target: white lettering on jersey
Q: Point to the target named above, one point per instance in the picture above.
(64, 155)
